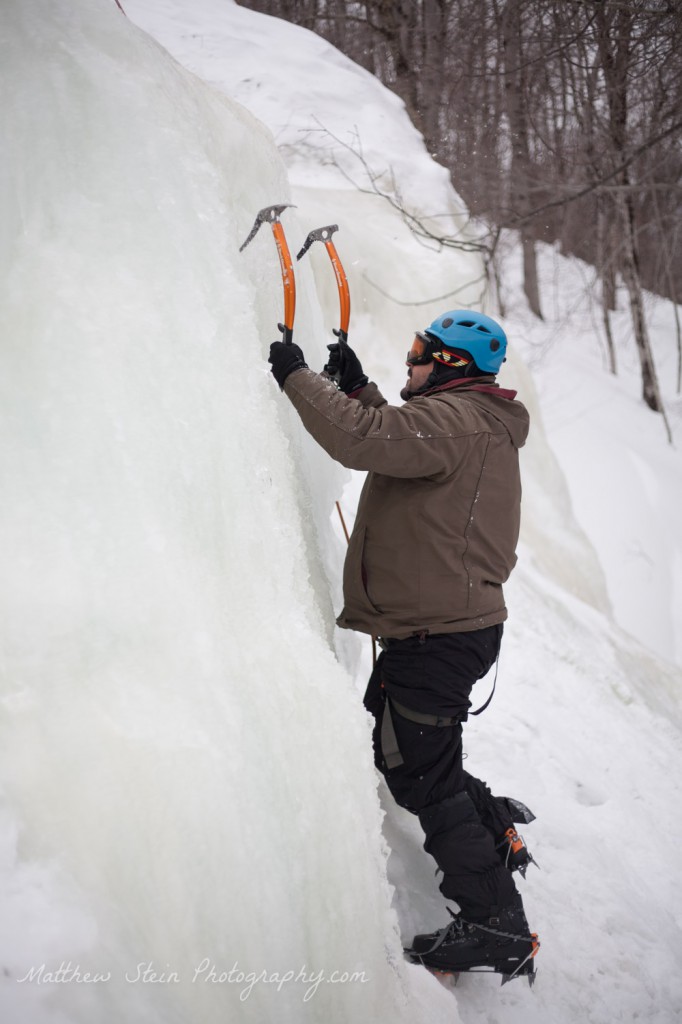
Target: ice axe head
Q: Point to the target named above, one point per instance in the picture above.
(318, 235)
(268, 215)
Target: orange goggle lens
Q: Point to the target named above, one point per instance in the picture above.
(421, 352)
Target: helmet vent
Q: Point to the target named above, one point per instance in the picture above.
(447, 322)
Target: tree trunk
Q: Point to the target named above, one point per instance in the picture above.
(519, 178)
(608, 281)
(672, 290)
(531, 286)
(650, 390)
(614, 38)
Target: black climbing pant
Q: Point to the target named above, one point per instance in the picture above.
(434, 676)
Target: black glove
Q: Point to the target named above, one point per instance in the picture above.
(344, 367)
(285, 359)
(333, 364)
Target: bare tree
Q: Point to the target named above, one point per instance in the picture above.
(515, 71)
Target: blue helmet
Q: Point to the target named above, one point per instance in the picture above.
(475, 333)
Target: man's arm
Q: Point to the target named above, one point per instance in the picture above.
(366, 433)
(370, 396)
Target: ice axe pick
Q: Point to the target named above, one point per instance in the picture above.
(270, 215)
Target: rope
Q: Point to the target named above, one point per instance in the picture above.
(343, 522)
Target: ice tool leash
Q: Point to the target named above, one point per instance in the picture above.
(325, 235)
(270, 215)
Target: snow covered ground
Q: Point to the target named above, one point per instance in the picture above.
(625, 480)
(185, 767)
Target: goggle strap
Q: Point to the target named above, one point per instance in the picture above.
(451, 358)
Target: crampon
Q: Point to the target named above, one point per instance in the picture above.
(501, 945)
(514, 852)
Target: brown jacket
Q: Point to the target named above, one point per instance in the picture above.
(438, 518)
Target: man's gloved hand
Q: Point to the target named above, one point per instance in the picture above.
(345, 368)
(333, 364)
(285, 359)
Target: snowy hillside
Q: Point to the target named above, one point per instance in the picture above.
(625, 481)
(189, 809)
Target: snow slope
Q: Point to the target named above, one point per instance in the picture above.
(185, 764)
(625, 480)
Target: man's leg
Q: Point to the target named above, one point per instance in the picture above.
(434, 676)
(430, 783)
(433, 679)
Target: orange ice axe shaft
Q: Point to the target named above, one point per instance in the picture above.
(270, 215)
(325, 235)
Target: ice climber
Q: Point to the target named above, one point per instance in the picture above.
(434, 541)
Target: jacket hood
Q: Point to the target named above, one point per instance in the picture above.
(501, 404)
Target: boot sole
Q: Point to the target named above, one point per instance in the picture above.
(526, 970)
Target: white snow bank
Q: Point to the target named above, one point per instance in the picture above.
(322, 108)
(625, 480)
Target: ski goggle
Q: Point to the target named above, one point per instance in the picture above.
(421, 351)
(425, 350)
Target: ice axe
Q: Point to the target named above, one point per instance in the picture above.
(325, 235)
(270, 215)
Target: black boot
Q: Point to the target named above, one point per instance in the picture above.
(502, 943)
